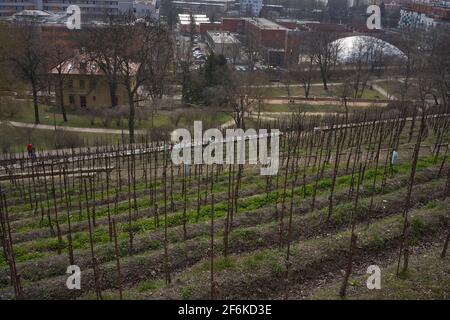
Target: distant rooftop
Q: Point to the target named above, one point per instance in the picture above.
(222, 37)
(39, 16)
(207, 1)
(81, 64)
(198, 18)
(328, 27)
(33, 13)
(263, 23)
(152, 2)
(210, 3)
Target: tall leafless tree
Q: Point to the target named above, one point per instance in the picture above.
(29, 56)
(326, 49)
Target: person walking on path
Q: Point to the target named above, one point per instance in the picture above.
(30, 149)
(31, 153)
(394, 157)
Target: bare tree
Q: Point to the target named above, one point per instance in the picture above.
(326, 49)
(409, 45)
(305, 70)
(184, 63)
(251, 53)
(243, 94)
(4, 48)
(59, 55)
(29, 57)
(235, 52)
(346, 91)
(103, 45)
(142, 61)
(359, 61)
(434, 75)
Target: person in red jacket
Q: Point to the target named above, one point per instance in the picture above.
(30, 149)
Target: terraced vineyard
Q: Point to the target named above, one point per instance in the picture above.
(140, 227)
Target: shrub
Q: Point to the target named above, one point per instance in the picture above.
(9, 107)
(65, 139)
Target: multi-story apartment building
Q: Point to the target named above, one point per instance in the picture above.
(9, 7)
(90, 8)
(251, 8)
(425, 15)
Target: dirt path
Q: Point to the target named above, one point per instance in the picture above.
(64, 128)
(383, 92)
(324, 101)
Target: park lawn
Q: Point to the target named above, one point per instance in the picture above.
(394, 88)
(14, 139)
(167, 120)
(336, 91)
(317, 91)
(51, 115)
(309, 108)
(185, 117)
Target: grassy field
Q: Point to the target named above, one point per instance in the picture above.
(394, 87)
(318, 91)
(298, 107)
(16, 139)
(162, 119)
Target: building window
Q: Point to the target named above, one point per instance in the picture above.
(71, 99)
(93, 84)
(70, 84)
(82, 84)
(83, 101)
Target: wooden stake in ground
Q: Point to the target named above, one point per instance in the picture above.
(55, 206)
(166, 244)
(335, 172)
(107, 195)
(404, 245)
(69, 226)
(197, 172)
(227, 218)
(91, 242)
(353, 238)
(117, 254)
(8, 245)
(184, 194)
(289, 235)
(348, 270)
(130, 225)
(444, 249)
(213, 285)
(377, 159)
